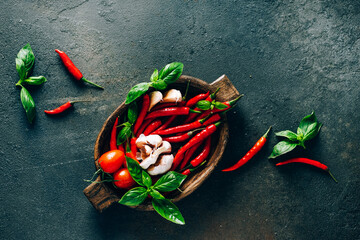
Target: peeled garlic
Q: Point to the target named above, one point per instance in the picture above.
(155, 98)
(172, 95)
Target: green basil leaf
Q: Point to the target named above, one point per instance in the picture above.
(171, 72)
(135, 170)
(154, 76)
(312, 131)
(35, 80)
(28, 104)
(146, 179)
(288, 134)
(132, 112)
(203, 105)
(282, 148)
(20, 68)
(124, 133)
(156, 194)
(159, 85)
(308, 124)
(168, 210)
(26, 54)
(169, 182)
(134, 196)
(136, 91)
(220, 105)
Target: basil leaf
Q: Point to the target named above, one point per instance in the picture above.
(288, 134)
(282, 148)
(124, 133)
(220, 105)
(132, 112)
(156, 194)
(136, 91)
(20, 68)
(154, 76)
(313, 130)
(171, 72)
(28, 104)
(134, 196)
(203, 105)
(26, 54)
(135, 170)
(168, 210)
(34, 80)
(146, 179)
(159, 85)
(169, 182)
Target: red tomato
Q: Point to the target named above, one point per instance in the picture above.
(111, 161)
(123, 179)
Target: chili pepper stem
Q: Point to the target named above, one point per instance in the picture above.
(214, 93)
(267, 132)
(332, 176)
(186, 91)
(194, 111)
(234, 101)
(91, 83)
(76, 101)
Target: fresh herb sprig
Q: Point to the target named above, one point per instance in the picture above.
(25, 60)
(169, 182)
(308, 128)
(207, 105)
(126, 131)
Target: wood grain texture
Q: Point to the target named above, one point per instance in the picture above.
(103, 195)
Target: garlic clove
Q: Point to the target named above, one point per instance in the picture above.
(145, 151)
(155, 98)
(173, 95)
(141, 141)
(162, 166)
(164, 148)
(154, 140)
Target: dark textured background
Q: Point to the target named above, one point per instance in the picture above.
(288, 58)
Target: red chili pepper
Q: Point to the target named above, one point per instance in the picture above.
(171, 119)
(73, 69)
(254, 150)
(133, 145)
(212, 119)
(203, 155)
(198, 138)
(310, 162)
(181, 138)
(190, 170)
(63, 107)
(165, 105)
(121, 148)
(181, 128)
(229, 104)
(197, 98)
(130, 154)
(189, 154)
(143, 126)
(171, 111)
(152, 127)
(113, 144)
(145, 107)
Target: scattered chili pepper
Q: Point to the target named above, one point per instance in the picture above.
(182, 137)
(63, 107)
(254, 150)
(171, 111)
(229, 104)
(197, 98)
(189, 154)
(113, 144)
(145, 107)
(310, 162)
(73, 69)
(190, 170)
(152, 127)
(143, 126)
(198, 138)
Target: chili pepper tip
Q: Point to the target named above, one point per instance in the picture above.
(267, 132)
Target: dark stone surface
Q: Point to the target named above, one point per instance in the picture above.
(288, 58)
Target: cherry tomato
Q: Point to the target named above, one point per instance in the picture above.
(123, 179)
(111, 161)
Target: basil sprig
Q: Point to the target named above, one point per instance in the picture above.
(158, 80)
(126, 131)
(207, 105)
(169, 182)
(308, 128)
(25, 60)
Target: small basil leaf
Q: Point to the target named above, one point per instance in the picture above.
(154, 76)
(146, 179)
(220, 105)
(159, 85)
(26, 54)
(282, 148)
(135, 170)
(124, 133)
(171, 72)
(307, 123)
(28, 104)
(132, 112)
(288, 134)
(35, 80)
(20, 68)
(156, 194)
(134, 196)
(203, 105)
(169, 182)
(313, 130)
(168, 210)
(136, 91)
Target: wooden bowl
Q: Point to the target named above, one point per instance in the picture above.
(102, 195)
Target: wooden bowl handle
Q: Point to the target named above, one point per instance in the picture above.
(227, 89)
(100, 196)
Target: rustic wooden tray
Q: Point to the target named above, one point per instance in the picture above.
(102, 195)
